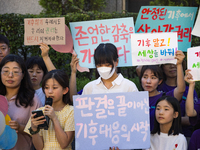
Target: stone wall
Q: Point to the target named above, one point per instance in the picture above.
(20, 6)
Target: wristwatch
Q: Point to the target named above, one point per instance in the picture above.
(33, 132)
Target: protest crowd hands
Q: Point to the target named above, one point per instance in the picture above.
(45, 49)
(74, 63)
(113, 148)
(14, 125)
(180, 57)
(36, 121)
(188, 77)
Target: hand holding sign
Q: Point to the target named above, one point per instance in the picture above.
(48, 30)
(196, 29)
(193, 62)
(45, 50)
(180, 57)
(188, 77)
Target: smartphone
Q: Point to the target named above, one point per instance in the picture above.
(38, 114)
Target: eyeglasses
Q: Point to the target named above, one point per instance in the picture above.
(7, 73)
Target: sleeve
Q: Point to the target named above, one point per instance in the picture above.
(182, 142)
(69, 123)
(194, 140)
(170, 93)
(194, 120)
(135, 89)
(87, 89)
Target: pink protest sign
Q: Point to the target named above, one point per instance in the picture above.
(47, 30)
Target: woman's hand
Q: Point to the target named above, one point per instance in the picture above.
(188, 77)
(36, 121)
(45, 50)
(180, 57)
(14, 125)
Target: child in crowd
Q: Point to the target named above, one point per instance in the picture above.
(37, 70)
(61, 126)
(152, 76)
(193, 111)
(106, 61)
(16, 86)
(4, 47)
(50, 66)
(167, 126)
(170, 82)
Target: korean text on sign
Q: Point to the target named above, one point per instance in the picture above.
(104, 120)
(193, 62)
(87, 35)
(153, 19)
(47, 30)
(153, 48)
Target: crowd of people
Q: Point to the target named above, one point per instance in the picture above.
(174, 107)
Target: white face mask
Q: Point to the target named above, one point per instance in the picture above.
(105, 73)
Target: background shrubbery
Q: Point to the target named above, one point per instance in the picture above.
(12, 26)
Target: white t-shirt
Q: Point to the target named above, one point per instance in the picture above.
(165, 142)
(120, 84)
(40, 95)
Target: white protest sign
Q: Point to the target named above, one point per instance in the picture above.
(48, 30)
(196, 29)
(193, 62)
(153, 48)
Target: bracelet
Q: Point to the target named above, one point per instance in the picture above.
(33, 132)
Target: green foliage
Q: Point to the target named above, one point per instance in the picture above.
(12, 26)
(62, 7)
(175, 2)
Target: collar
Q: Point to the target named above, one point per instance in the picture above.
(117, 81)
(12, 98)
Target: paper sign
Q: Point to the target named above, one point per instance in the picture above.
(193, 62)
(112, 119)
(153, 48)
(87, 35)
(196, 29)
(48, 30)
(153, 19)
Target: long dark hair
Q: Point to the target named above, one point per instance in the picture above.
(157, 71)
(62, 78)
(26, 92)
(176, 124)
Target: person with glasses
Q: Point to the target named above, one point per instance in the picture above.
(15, 85)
